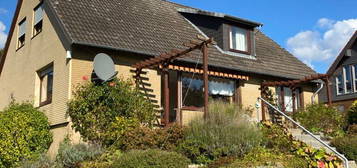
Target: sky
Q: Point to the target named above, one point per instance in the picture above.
(312, 30)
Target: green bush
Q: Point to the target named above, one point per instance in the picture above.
(321, 118)
(70, 156)
(264, 157)
(104, 161)
(42, 162)
(347, 145)
(143, 138)
(152, 158)
(24, 134)
(224, 133)
(102, 113)
(277, 137)
(352, 114)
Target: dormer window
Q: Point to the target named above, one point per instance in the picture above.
(239, 40)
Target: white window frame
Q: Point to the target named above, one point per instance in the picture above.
(39, 21)
(21, 33)
(354, 78)
(338, 82)
(345, 79)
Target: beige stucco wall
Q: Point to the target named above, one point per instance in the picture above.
(19, 77)
(250, 93)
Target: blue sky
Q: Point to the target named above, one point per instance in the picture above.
(313, 30)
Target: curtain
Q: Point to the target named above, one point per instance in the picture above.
(239, 39)
(221, 88)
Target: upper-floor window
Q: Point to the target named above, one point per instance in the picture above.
(239, 39)
(339, 84)
(347, 79)
(21, 33)
(46, 85)
(38, 19)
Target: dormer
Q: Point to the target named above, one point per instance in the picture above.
(234, 36)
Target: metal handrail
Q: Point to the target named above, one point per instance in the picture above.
(345, 160)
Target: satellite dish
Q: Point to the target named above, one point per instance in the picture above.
(104, 67)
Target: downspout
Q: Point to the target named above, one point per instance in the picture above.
(318, 90)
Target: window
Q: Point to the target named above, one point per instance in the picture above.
(46, 85)
(288, 98)
(193, 92)
(239, 39)
(339, 84)
(354, 77)
(347, 79)
(38, 17)
(21, 33)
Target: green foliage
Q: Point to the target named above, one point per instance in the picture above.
(24, 134)
(42, 162)
(321, 118)
(347, 145)
(352, 129)
(352, 114)
(102, 113)
(278, 139)
(103, 161)
(70, 156)
(143, 138)
(265, 157)
(225, 132)
(1, 52)
(152, 158)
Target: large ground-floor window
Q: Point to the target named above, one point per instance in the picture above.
(193, 90)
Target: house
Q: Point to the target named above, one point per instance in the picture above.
(52, 43)
(343, 77)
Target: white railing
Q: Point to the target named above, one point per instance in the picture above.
(342, 157)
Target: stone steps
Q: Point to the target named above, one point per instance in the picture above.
(298, 134)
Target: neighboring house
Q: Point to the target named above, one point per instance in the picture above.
(51, 46)
(343, 77)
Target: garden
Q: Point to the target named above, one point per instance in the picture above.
(117, 123)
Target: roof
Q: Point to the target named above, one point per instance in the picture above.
(338, 59)
(152, 27)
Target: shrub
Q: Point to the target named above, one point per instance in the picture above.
(152, 158)
(224, 133)
(352, 129)
(264, 157)
(352, 114)
(321, 118)
(347, 145)
(102, 113)
(70, 156)
(24, 134)
(143, 138)
(42, 162)
(277, 137)
(104, 161)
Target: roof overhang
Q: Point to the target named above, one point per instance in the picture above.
(345, 52)
(219, 15)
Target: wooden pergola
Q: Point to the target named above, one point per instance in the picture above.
(292, 84)
(164, 62)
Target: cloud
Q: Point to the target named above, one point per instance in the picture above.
(3, 11)
(322, 45)
(3, 35)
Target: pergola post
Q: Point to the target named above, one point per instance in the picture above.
(328, 91)
(282, 98)
(205, 78)
(293, 89)
(263, 95)
(166, 96)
